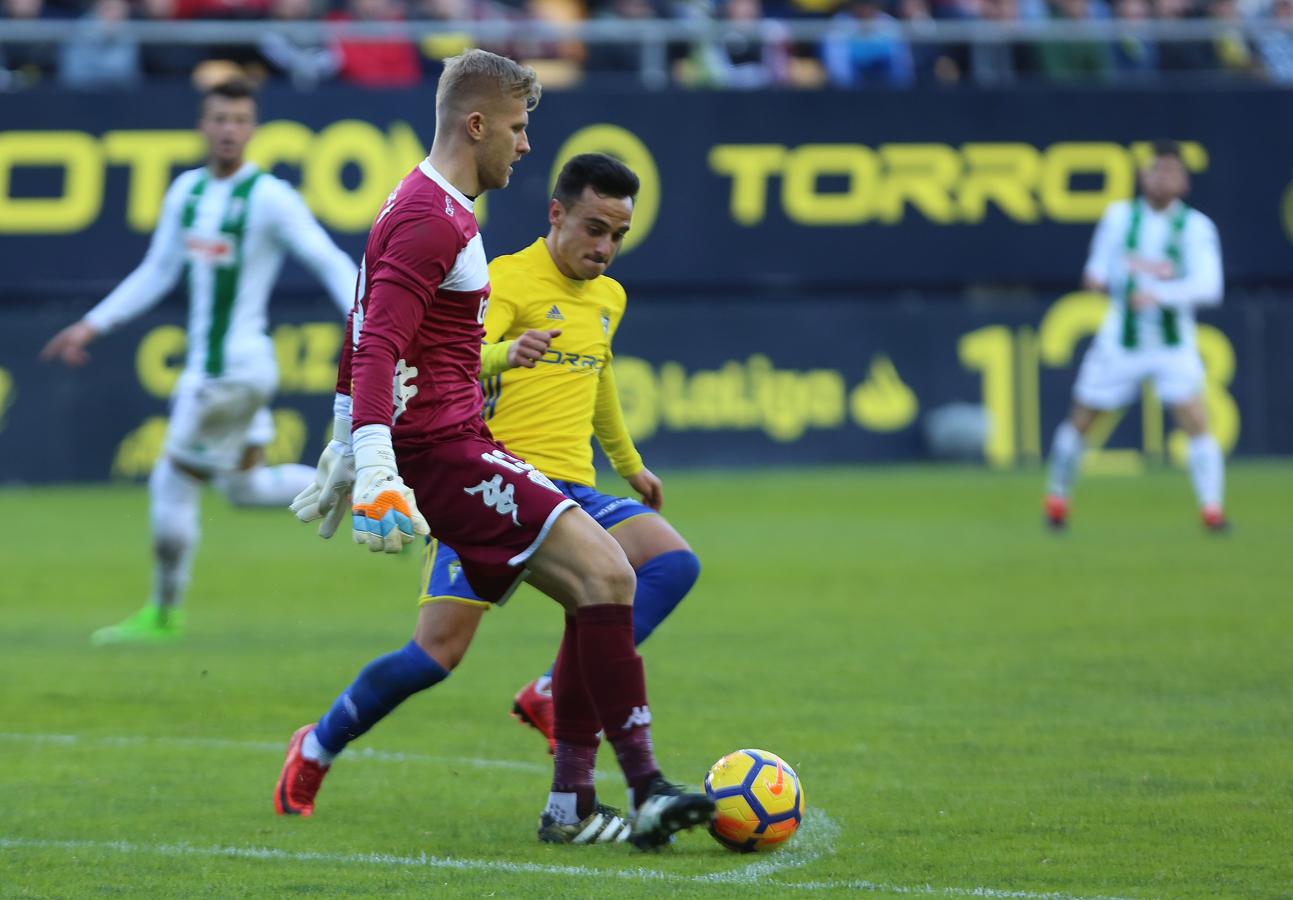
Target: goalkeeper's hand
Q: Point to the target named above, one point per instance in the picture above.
(384, 511)
(328, 497)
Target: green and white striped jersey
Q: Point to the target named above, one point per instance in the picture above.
(232, 234)
(1174, 254)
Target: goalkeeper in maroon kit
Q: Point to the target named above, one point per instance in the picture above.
(412, 444)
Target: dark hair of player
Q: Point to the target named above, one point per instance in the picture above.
(606, 175)
(233, 89)
(1167, 148)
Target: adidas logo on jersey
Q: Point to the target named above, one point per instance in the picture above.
(555, 313)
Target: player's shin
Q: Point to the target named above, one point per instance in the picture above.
(384, 684)
(616, 683)
(1066, 458)
(575, 726)
(173, 498)
(1207, 471)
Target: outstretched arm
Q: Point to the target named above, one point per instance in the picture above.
(141, 290)
(302, 234)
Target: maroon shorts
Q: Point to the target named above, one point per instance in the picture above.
(491, 507)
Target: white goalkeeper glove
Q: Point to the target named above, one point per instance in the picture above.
(328, 497)
(384, 512)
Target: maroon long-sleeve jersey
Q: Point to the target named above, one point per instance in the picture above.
(413, 358)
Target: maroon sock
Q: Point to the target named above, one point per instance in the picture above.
(572, 773)
(575, 726)
(635, 753)
(616, 682)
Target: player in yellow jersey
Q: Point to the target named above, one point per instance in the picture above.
(550, 388)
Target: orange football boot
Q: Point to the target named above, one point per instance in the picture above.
(300, 779)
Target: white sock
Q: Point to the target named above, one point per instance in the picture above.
(173, 499)
(1207, 470)
(543, 685)
(266, 485)
(561, 806)
(312, 750)
(1066, 457)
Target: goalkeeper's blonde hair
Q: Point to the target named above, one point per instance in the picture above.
(476, 76)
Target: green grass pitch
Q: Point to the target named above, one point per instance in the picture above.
(976, 707)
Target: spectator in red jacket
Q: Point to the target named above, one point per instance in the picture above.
(386, 62)
(221, 9)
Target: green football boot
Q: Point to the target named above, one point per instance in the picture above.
(151, 625)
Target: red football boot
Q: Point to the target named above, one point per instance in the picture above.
(1215, 520)
(1057, 512)
(533, 707)
(300, 779)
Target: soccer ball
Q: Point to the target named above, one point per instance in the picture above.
(759, 799)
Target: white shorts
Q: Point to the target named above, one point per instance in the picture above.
(1110, 377)
(213, 420)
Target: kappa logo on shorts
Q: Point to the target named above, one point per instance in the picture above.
(520, 467)
(640, 715)
(497, 497)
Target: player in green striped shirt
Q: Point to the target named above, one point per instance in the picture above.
(228, 225)
(1157, 259)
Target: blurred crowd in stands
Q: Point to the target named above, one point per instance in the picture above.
(864, 48)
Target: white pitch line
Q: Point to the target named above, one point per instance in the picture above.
(816, 839)
(424, 860)
(820, 823)
(748, 874)
(378, 859)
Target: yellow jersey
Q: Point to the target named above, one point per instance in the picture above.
(547, 415)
